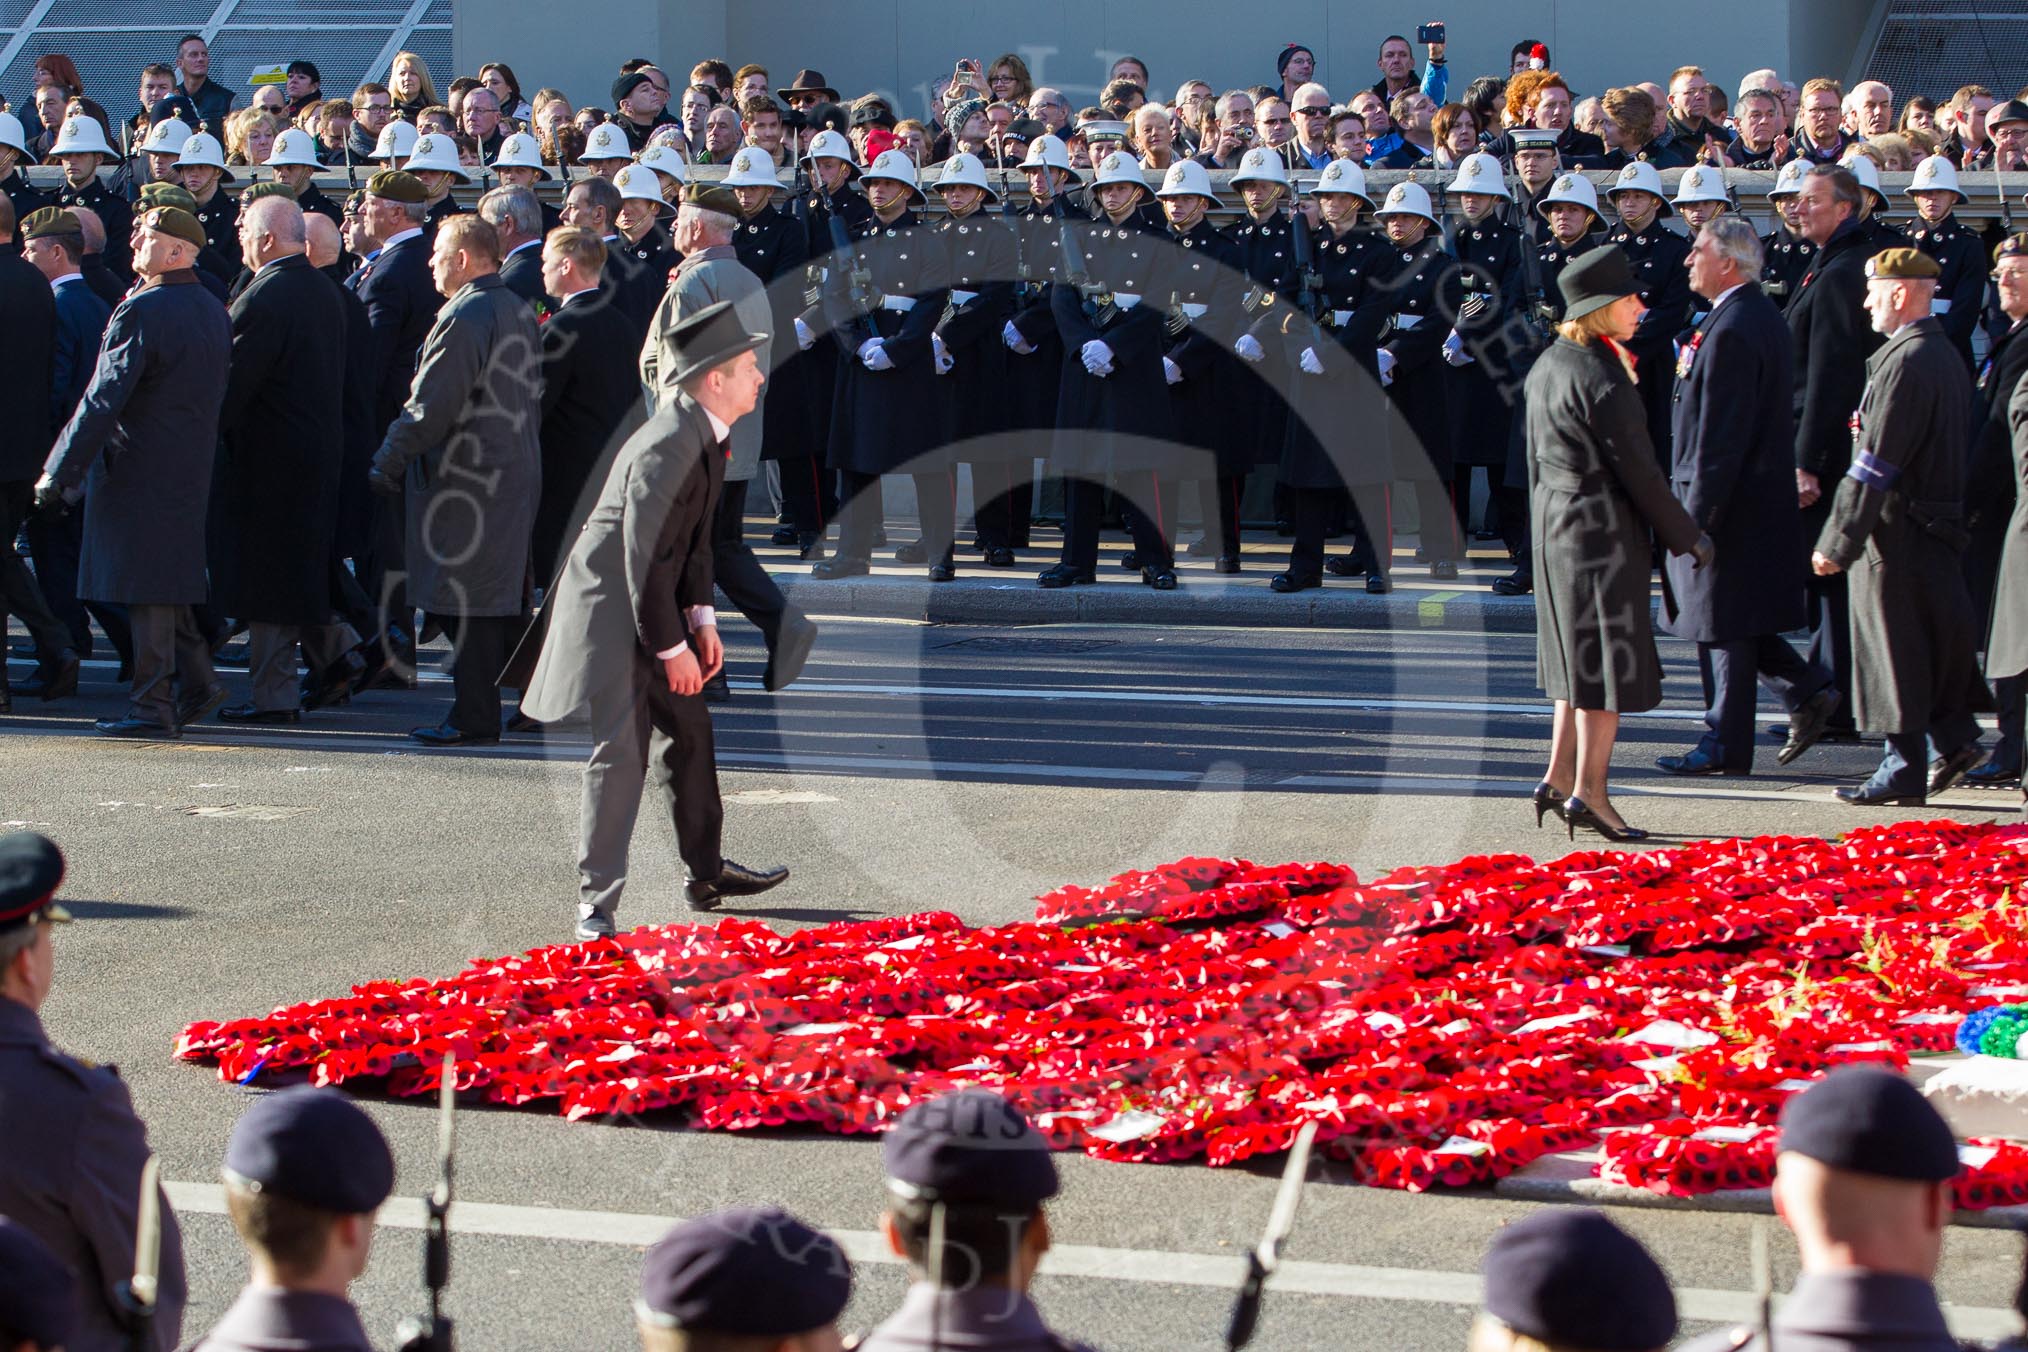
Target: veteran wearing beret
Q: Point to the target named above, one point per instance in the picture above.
(967, 1166)
(1863, 1181)
(138, 450)
(305, 1171)
(749, 1278)
(1568, 1278)
(71, 1172)
(1897, 528)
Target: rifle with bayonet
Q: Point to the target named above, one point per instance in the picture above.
(1267, 1255)
(1309, 282)
(432, 1332)
(859, 290)
(136, 1296)
(1099, 306)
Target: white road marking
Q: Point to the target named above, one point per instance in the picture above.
(1155, 1267)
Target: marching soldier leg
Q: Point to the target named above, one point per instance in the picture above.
(684, 764)
(610, 798)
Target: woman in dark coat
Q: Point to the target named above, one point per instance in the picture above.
(1597, 494)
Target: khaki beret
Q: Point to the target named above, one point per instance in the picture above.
(168, 195)
(710, 197)
(50, 222)
(1902, 264)
(256, 191)
(176, 223)
(394, 185)
(2014, 246)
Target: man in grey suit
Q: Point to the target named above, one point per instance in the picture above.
(139, 450)
(628, 635)
(468, 446)
(709, 273)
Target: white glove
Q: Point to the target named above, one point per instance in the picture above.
(1011, 336)
(804, 338)
(1098, 358)
(873, 354)
(1386, 367)
(1249, 347)
(945, 361)
(1172, 371)
(1311, 363)
(1454, 351)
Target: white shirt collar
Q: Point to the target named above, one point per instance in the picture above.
(719, 429)
(398, 238)
(586, 291)
(55, 282)
(1726, 292)
(531, 244)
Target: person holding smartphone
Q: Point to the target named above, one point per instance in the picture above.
(1397, 66)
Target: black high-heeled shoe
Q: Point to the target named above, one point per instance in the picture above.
(1547, 799)
(1576, 814)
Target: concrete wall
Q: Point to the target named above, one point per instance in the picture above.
(900, 46)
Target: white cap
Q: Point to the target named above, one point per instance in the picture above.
(1048, 151)
(751, 168)
(201, 149)
(12, 134)
(1407, 199)
(1868, 174)
(166, 137)
(965, 170)
(639, 184)
(606, 142)
(81, 135)
(830, 144)
(1479, 172)
(1701, 184)
(434, 150)
(521, 151)
(1260, 165)
(666, 159)
(1641, 176)
(1789, 181)
(397, 140)
(895, 165)
(295, 146)
(1936, 174)
(1343, 176)
(1573, 188)
(1187, 178)
(1119, 167)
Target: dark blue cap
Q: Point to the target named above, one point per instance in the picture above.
(313, 1146)
(38, 1295)
(749, 1271)
(1870, 1121)
(1572, 1278)
(31, 869)
(180, 106)
(969, 1147)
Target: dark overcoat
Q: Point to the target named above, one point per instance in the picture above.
(1482, 392)
(589, 392)
(979, 253)
(1989, 472)
(1596, 494)
(1657, 257)
(401, 303)
(1895, 527)
(1034, 379)
(2007, 643)
(1734, 473)
(361, 436)
(1202, 320)
(27, 364)
(888, 422)
(1338, 433)
(1267, 255)
(1096, 414)
(274, 505)
(774, 247)
(1410, 300)
(467, 445)
(141, 444)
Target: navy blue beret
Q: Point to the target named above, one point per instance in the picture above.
(31, 869)
(1571, 1277)
(1870, 1121)
(38, 1295)
(971, 1146)
(313, 1146)
(749, 1271)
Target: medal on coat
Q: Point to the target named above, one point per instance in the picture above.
(1688, 355)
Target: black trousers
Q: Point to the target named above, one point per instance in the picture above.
(860, 513)
(1149, 522)
(480, 647)
(738, 573)
(2010, 694)
(1003, 502)
(1219, 499)
(1313, 511)
(55, 542)
(1514, 508)
(20, 592)
(1828, 615)
(1730, 671)
(808, 495)
(1461, 493)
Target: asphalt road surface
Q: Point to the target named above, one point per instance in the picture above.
(914, 766)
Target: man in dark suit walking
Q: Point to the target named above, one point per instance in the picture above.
(1832, 340)
(275, 503)
(26, 347)
(1734, 473)
(628, 633)
(55, 240)
(589, 388)
(151, 414)
(516, 215)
